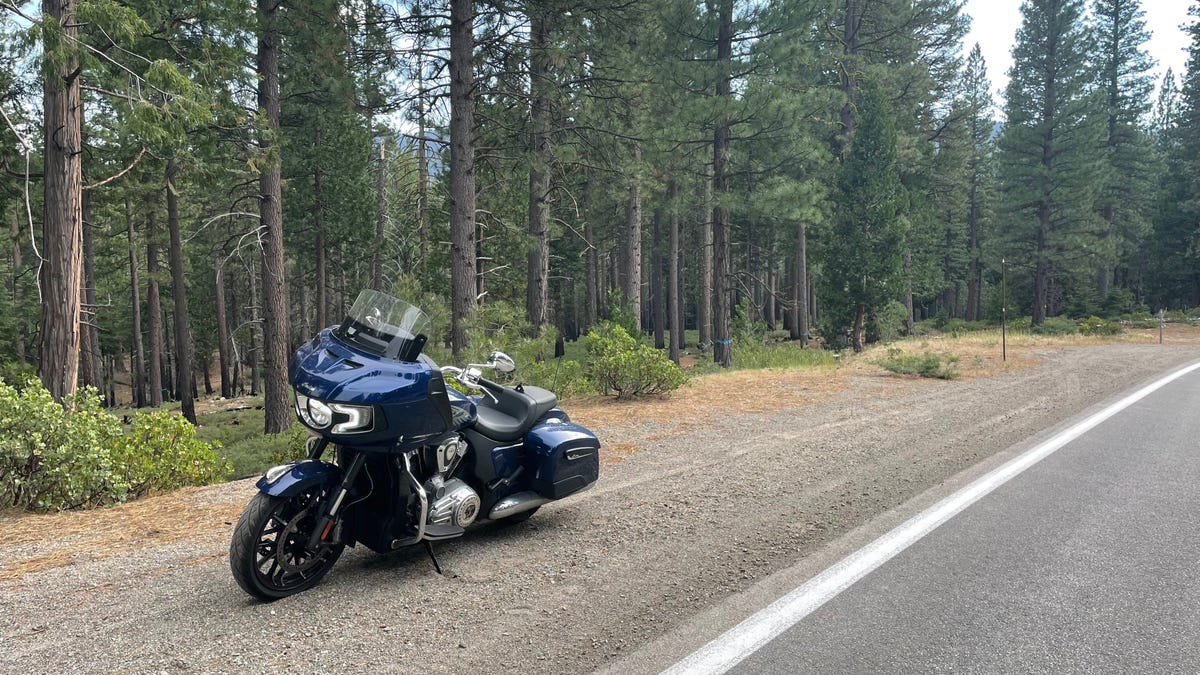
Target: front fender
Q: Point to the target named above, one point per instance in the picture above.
(287, 480)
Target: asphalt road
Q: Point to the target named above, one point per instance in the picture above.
(1089, 561)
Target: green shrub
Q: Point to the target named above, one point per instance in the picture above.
(74, 455)
(502, 326)
(747, 325)
(889, 323)
(923, 365)
(15, 371)
(1021, 324)
(618, 364)
(160, 451)
(1094, 325)
(1056, 325)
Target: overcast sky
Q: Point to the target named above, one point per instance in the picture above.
(995, 23)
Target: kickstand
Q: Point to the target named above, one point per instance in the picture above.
(429, 549)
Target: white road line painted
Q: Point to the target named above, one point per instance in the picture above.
(752, 634)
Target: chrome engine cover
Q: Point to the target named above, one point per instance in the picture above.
(459, 505)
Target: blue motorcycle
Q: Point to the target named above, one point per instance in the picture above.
(415, 461)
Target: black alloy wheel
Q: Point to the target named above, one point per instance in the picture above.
(269, 554)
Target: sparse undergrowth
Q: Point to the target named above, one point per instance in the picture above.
(77, 454)
(928, 364)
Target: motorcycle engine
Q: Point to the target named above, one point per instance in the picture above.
(458, 505)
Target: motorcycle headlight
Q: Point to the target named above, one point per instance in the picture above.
(352, 418)
(344, 418)
(312, 412)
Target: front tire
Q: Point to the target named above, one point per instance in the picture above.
(268, 553)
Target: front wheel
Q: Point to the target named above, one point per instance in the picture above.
(269, 555)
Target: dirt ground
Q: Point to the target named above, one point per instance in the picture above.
(734, 477)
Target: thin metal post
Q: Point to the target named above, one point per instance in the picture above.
(1162, 319)
(1003, 310)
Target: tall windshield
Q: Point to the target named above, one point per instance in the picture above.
(386, 326)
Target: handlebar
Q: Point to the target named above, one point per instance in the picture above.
(472, 377)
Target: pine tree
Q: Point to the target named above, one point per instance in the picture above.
(1048, 151)
(1124, 73)
(977, 103)
(863, 261)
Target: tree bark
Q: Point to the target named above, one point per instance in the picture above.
(801, 298)
(62, 228)
(254, 353)
(381, 207)
(673, 281)
(154, 304)
(137, 374)
(13, 281)
(183, 329)
(538, 271)
(908, 291)
(463, 270)
(277, 415)
(224, 356)
(322, 246)
(592, 263)
(631, 272)
(722, 341)
(658, 291)
(704, 302)
(91, 361)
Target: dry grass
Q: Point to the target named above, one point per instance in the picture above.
(980, 353)
(36, 542)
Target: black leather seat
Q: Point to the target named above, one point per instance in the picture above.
(514, 412)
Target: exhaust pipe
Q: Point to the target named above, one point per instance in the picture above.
(514, 504)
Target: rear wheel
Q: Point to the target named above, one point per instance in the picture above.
(269, 556)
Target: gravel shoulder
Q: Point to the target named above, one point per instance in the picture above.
(693, 507)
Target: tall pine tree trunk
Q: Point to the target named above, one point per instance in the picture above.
(974, 270)
(91, 361)
(801, 298)
(673, 280)
(13, 281)
(154, 304)
(463, 270)
(322, 246)
(705, 296)
(62, 229)
(658, 291)
(277, 415)
(183, 330)
(592, 264)
(722, 341)
(137, 375)
(631, 272)
(381, 208)
(537, 278)
(224, 355)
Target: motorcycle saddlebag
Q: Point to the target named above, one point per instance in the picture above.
(565, 457)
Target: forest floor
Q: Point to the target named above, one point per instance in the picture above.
(734, 477)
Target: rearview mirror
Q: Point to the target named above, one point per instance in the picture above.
(501, 362)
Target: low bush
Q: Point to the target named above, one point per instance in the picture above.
(922, 365)
(502, 326)
(1056, 325)
(618, 364)
(779, 355)
(1094, 325)
(76, 454)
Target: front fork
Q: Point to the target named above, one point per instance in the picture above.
(330, 507)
